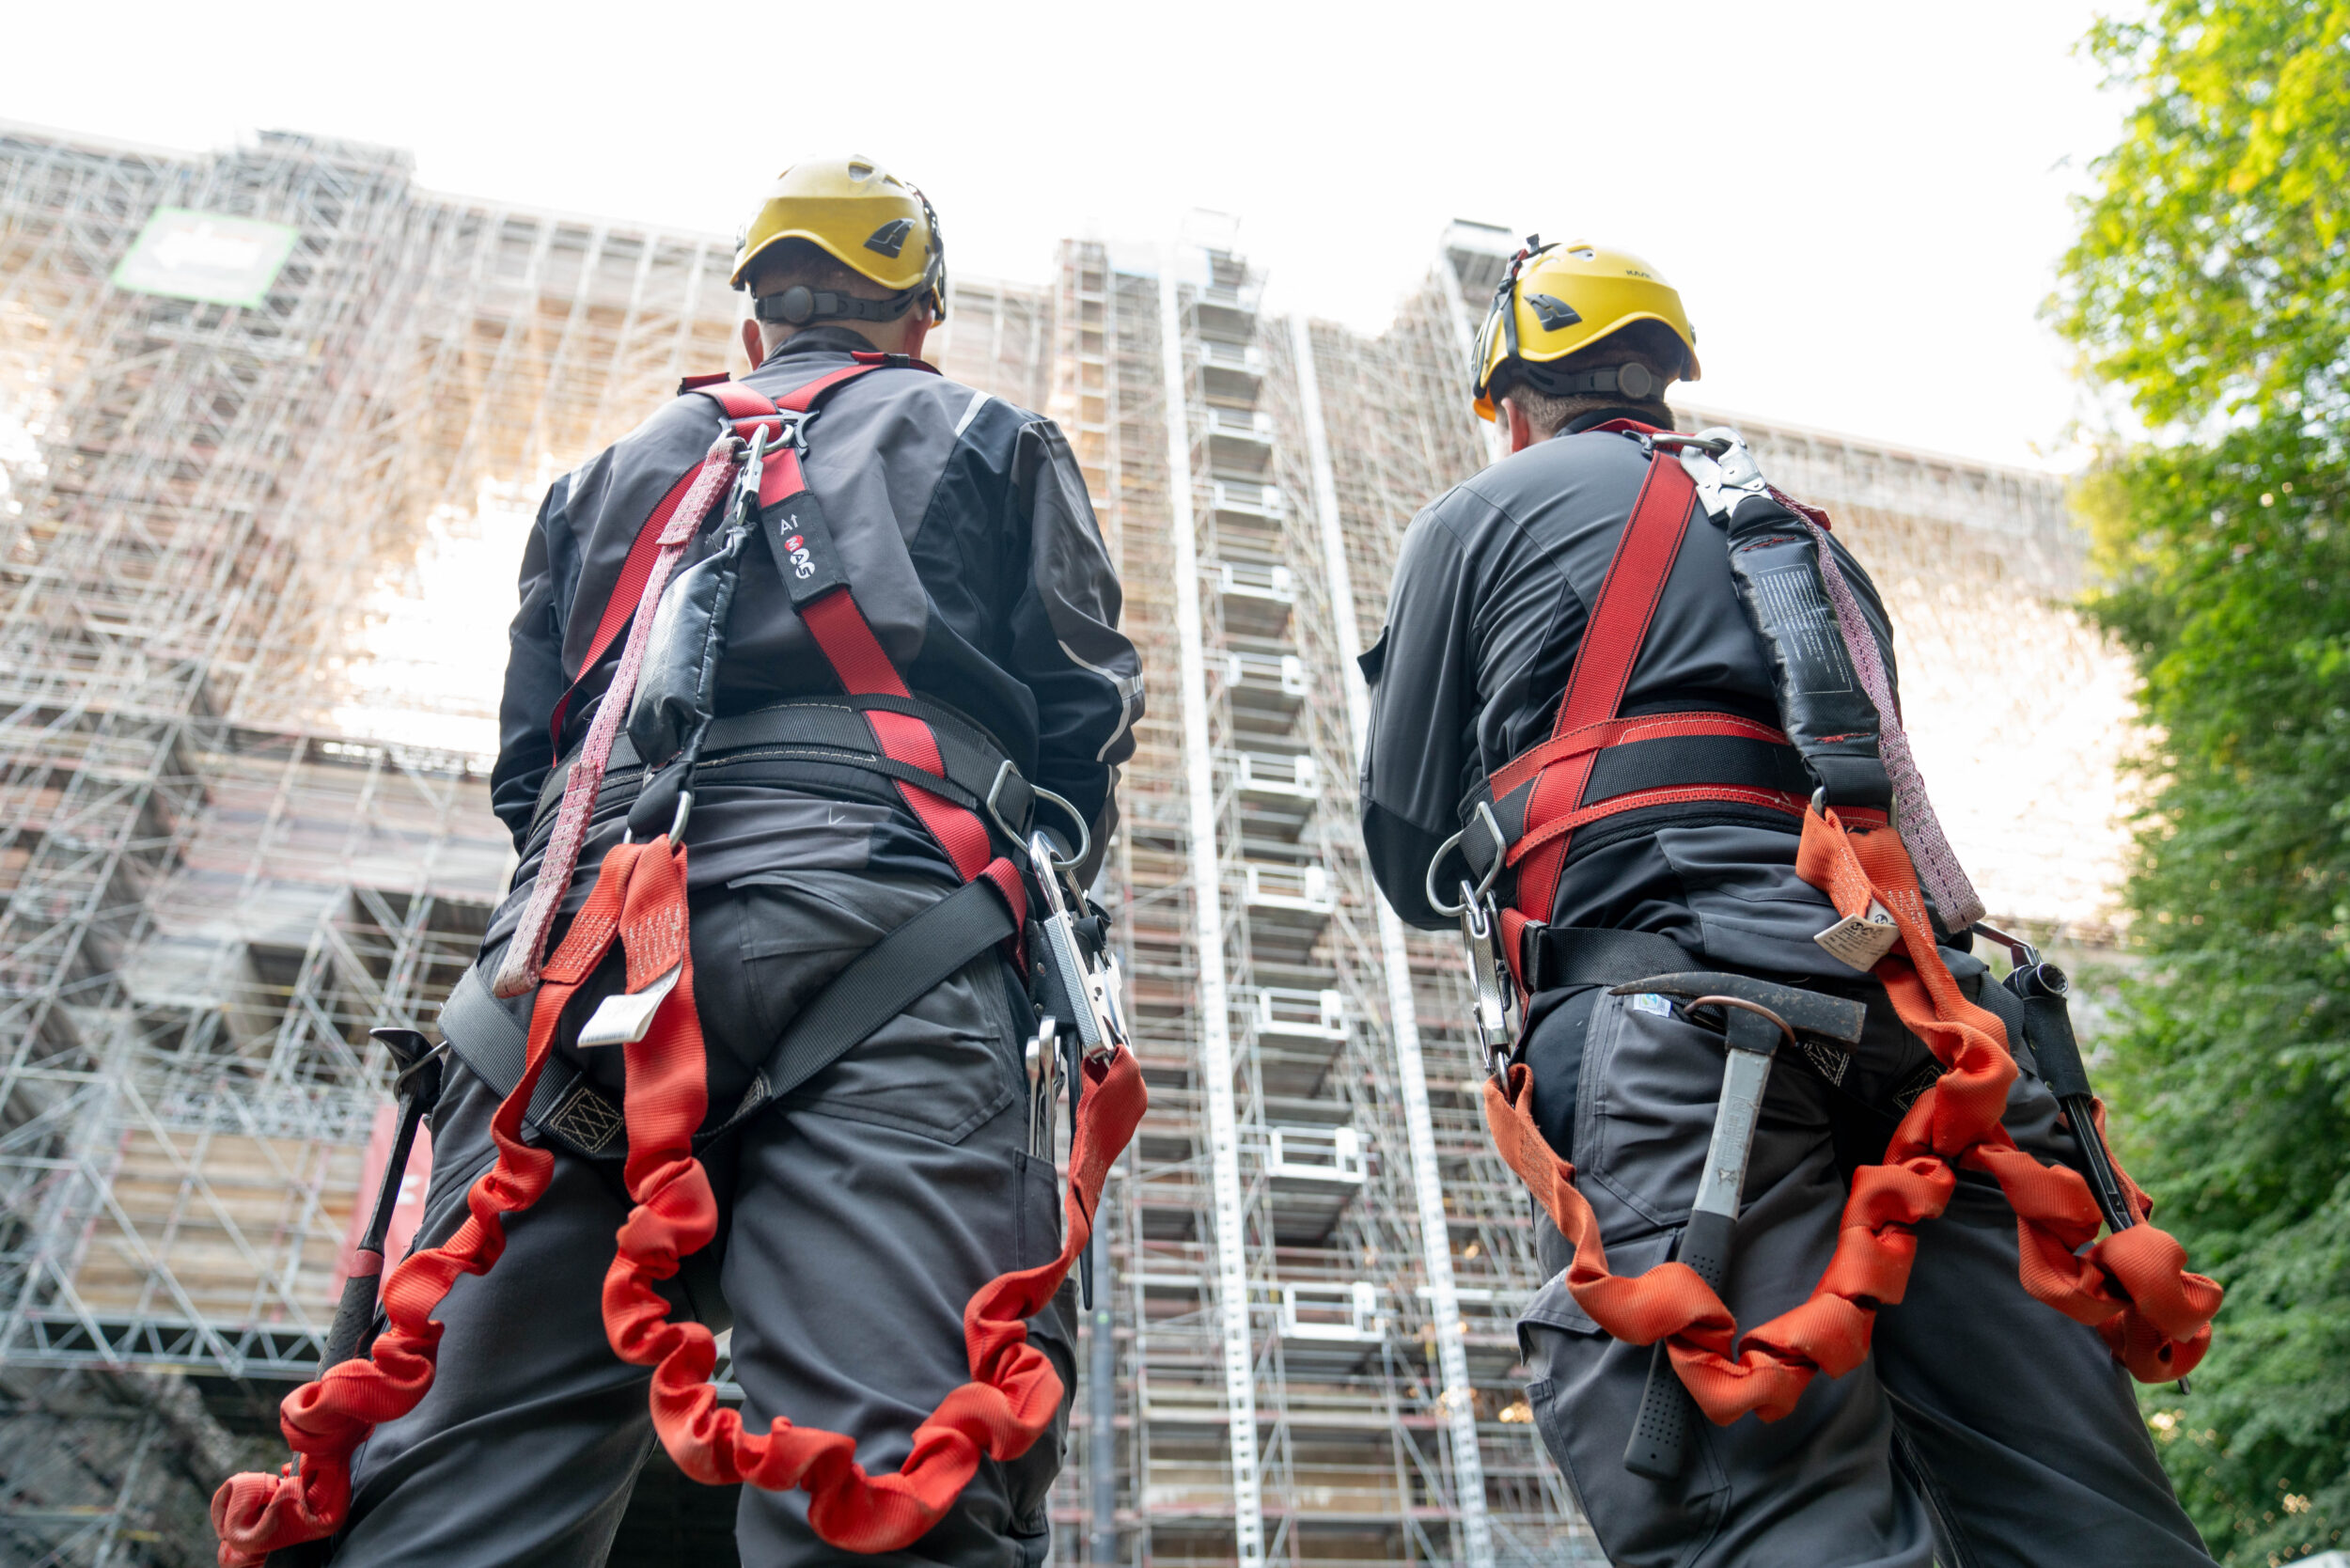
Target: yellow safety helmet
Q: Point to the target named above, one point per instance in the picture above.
(1558, 300)
(861, 215)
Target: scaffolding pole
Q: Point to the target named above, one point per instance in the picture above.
(1214, 1006)
(1435, 1237)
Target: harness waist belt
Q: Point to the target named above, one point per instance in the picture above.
(1556, 956)
(763, 745)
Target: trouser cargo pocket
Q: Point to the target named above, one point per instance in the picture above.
(1585, 1395)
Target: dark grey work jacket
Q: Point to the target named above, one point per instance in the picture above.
(972, 549)
(1493, 591)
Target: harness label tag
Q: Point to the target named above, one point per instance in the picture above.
(800, 538)
(1860, 940)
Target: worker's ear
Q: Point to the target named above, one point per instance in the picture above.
(1520, 430)
(918, 322)
(754, 346)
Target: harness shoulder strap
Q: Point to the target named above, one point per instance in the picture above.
(1643, 561)
(800, 536)
(621, 606)
(748, 408)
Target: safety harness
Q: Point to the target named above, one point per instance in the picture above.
(2132, 1285)
(1597, 763)
(639, 899)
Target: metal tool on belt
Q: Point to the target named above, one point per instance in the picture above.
(2043, 988)
(1756, 1017)
(2045, 991)
(1078, 988)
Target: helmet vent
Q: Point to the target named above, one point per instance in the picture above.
(1553, 312)
(860, 171)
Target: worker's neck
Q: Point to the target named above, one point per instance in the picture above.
(762, 340)
(820, 335)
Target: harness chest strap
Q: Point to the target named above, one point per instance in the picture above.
(2133, 1286)
(639, 899)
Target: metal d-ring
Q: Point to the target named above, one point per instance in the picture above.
(1740, 1002)
(1006, 772)
(1076, 820)
(1483, 813)
(1428, 883)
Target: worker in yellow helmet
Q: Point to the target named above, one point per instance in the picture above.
(1636, 727)
(876, 710)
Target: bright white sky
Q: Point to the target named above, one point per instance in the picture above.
(1862, 205)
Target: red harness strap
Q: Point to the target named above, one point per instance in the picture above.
(639, 900)
(1586, 724)
(2133, 1286)
(856, 657)
(742, 404)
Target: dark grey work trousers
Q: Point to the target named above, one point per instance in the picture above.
(858, 1216)
(1984, 1430)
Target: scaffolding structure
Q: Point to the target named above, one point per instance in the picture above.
(212, 891)
(225, 854)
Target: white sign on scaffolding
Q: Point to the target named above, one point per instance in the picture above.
(206, 256)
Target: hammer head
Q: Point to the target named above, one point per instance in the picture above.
(420, 1075)
(408, 1047)
(1807, 1012)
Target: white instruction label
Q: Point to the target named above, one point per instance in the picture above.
(1860, 940)
(1648, 1001)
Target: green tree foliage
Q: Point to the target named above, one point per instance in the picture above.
(2212, 271)
(2212, 279)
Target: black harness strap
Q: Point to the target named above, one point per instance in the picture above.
(880, 983)
(830, 729)
(1556, 956)
(1692, 762)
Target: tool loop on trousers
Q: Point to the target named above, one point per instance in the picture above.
(1743, 1005)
